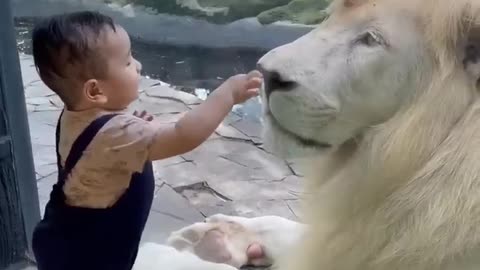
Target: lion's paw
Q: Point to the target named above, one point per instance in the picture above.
(189, 236)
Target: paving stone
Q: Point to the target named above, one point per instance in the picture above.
(146, 83)
(38, 101)
(228, 131)
(165, 92)
(249, 128)
(252, 157)
(49, 118)
(231, 118)
(45, 170)
(237, 161)
(43, 155)
(37, 89)
(297, 167)
(167, 162)
(296, 207)
(30, 108)
(160, 225)
(249, 208)
(47, 107)
(218, 168)
(220, 207)
(170, 203)
(294, 184)
(53, 102)
(158, 105)
(57, 102)
(181, 174)
(45, 185)
(251, 190)
(29, 72)
(200, 198)
(257, 140)
(42, 134)
(214, 148)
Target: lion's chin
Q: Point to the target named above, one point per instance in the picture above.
(284, 145)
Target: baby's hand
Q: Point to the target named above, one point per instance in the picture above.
(144, 115)
(244, 86)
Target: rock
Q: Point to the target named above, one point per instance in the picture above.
(227, 11)
(217, 11)
(297, 11)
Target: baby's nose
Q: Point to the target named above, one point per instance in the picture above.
(139, 66)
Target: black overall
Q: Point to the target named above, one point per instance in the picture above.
(75, 238)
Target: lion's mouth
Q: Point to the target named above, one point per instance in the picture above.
(307, 142)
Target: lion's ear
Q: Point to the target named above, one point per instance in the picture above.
(471, 59)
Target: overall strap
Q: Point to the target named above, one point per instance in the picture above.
(81, 143)
(57, 140)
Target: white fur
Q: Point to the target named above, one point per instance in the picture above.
(153, 256)
(399, 188)
(275, 234)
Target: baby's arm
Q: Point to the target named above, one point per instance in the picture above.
(197, 125)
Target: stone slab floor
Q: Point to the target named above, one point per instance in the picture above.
(229, 174)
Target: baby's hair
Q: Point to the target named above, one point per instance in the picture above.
(65, 50)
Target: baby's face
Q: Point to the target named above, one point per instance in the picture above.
(120, 86)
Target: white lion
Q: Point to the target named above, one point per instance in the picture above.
(386, 94)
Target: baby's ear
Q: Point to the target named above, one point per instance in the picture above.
(93, 92)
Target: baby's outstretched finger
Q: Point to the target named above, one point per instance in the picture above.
(254, 83)
(253, 92)
(254, 74)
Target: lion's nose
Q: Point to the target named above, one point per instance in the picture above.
(274, 81)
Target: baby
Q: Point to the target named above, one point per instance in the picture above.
(98, 208)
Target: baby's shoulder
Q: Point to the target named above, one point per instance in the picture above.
(124, 126)
(125, 121)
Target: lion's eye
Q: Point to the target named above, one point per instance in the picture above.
(370, 39)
